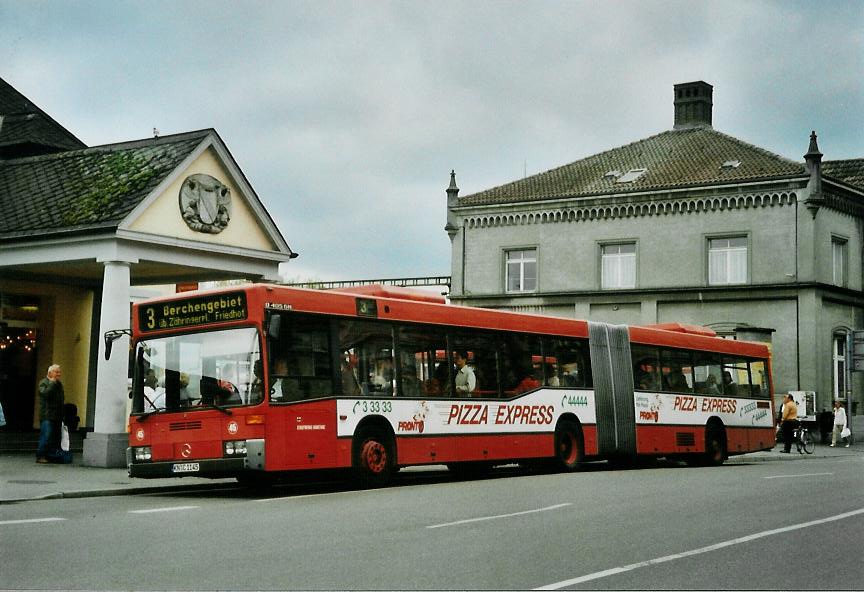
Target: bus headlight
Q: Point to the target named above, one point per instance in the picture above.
(143, 453)
(234, 448)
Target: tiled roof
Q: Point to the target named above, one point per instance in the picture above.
(673, 159)
(90, 189)
(26, 129)
(850, 172)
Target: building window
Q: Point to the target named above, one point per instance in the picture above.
(727, 260)
(838, 260)
(839, 363)
(521, 267)
(618, 266)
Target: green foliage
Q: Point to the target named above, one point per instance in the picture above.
(119, 174)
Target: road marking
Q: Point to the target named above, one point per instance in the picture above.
(31, 520)
(555, 507)
(171, 509)
(801, 475)
(746, 539)
(308, 495)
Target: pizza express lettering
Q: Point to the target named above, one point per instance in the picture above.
(198, 311)
(473, 414)
(721, 405)
(687, 403)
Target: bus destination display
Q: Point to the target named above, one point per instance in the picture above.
(218, 308)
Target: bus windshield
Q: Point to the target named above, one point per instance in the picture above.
(198, 371)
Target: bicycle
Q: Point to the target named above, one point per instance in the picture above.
(803, 440)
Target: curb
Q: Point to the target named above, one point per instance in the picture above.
(120, 491)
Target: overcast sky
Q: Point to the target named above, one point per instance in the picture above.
(347, 117)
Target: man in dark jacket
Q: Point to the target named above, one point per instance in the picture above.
(51, 401)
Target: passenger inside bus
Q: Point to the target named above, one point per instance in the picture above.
(676, 382)
(439, 384)
(466, 382)
(381, 380)
(528, 383)
(350, 386)
(185, 395)
(154, 395)
(645, 381)
(729, 387)
(256, 387)
(710, 387)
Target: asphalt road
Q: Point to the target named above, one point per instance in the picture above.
(761, 526)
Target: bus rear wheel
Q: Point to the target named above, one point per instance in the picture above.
(715, 446)
(569, 451)
(715, 449)
(373, 458)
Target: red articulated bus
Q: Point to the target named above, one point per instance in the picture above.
(257, 380)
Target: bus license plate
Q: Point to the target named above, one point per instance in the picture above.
(185, 468)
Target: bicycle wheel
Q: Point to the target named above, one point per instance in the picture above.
(807, 442)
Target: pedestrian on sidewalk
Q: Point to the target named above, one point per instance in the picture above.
(51, 401)
(789, 419)
(839, 423)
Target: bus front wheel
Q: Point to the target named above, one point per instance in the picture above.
(568, 446)
(373, 458)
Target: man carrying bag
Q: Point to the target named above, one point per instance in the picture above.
(51, 399)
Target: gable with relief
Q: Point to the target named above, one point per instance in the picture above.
(203, 203)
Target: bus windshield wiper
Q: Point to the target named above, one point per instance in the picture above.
(144, 416)
(217, 407)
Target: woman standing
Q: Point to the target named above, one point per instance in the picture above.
(839, 422)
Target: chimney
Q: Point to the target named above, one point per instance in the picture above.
(693, 103)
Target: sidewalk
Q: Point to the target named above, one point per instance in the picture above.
(21, 479)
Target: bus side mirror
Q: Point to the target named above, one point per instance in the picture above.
(274, 325)
(111, 337)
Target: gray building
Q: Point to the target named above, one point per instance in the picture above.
(690, 225)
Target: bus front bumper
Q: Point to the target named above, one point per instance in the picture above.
(211, 468)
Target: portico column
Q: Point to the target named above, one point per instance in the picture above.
(106, 445)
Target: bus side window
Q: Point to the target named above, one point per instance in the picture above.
(367, 347)
(677, 371)
(301, 365)
(568, 363)
(422, 361)
(736, 377)
(646, 367)
(707, 373)
(521, 363)
(759, 379)
(482, 354)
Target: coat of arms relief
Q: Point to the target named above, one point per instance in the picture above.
(205, 203)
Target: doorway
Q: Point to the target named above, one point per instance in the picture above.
(18, 376)
(19, 317)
